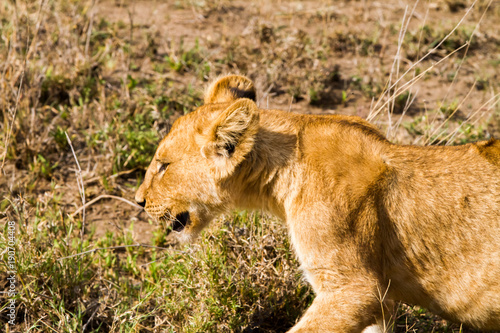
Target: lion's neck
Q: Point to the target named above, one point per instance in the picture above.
(263, 179)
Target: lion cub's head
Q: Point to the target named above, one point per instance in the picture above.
(201, 150)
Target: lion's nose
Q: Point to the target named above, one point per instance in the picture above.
(141, 201)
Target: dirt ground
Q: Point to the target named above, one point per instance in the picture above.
(170, 22)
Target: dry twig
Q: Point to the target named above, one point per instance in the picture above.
(79, 181)
(104, 196)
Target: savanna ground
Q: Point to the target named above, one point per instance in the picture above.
(87, 89)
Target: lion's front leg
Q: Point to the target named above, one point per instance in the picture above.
(348, 309)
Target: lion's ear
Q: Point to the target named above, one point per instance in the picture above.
(229, 88)
(231, 136)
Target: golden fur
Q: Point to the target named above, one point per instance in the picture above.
(365, 216)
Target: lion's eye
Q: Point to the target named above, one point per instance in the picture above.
(163, 167)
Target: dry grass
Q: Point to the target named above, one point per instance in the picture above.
(87, 88)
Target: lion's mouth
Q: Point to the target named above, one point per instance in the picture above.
(181, 221)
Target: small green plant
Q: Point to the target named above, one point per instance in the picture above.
(467, 132)
(59, 135)
(448, 109)
(418, 127)
(43, 167)
(131, 82)
(344, 96)
(313, 95)
(183, 60)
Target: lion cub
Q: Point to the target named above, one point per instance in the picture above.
(365, 216)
